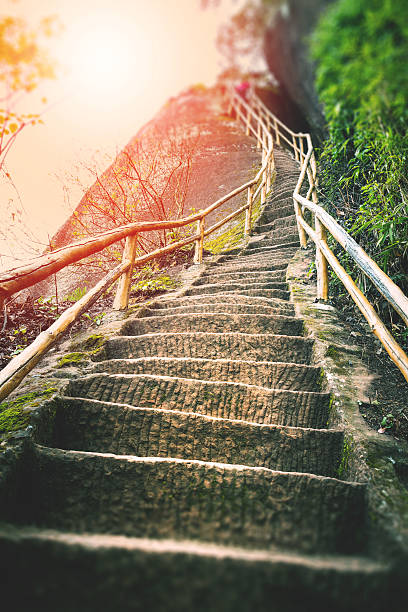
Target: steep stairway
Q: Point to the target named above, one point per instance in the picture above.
(195, 468)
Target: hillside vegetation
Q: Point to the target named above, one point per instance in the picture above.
(361, 51)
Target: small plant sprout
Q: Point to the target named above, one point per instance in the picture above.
(386, 423)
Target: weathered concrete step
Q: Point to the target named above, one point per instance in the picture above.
(239, 266)
(265, 250)
(271, 214)
(175, 498)
(269, 374)
(94, 572)
(216, 277)
(284, 308)
(256, 289)
(281, 236)
(246, 282)
(282, 252)
(220, 322)
(255, 347)
(283, 222)
(226, 400)
(281, 256)
(88, 425)
(227, 299)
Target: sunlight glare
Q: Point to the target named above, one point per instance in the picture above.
(106, 56)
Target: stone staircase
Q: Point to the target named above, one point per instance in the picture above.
(195, 467)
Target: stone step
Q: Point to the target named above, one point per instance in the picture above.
(182, 499)
(227, 267)
(225, 400)
(94, 572)
(254, 347)
(221, 322)
(287, 222)
(281, 256)
(269, 374)
(256, 289)
(266, 250)
(219, 276)
(89, 425)
(283, 308)
(269, 215)
(283, 236)
(279, 252)
(227, 299)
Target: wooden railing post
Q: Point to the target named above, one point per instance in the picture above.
(269, 174)
(321, 262)
(263, 188)
(248, 212)
(121, 300)
(302, 153)
(295, 148)
(277, 138)
(258, 136)
(199, 244)
(302, 233)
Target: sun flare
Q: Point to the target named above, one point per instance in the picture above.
(105, 56)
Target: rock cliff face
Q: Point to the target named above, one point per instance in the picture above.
(286, 53)
(189, 155)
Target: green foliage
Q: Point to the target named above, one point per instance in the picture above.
(361, 49)
(76, 295)
(152, 285)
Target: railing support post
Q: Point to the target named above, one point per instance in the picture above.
(199, 244)
(263, 189)
(302, 153)
(277, 138)
(295, 148)
(269, 174)
(248, 212)
(321, 262)
(121, 300)
(258, 136)
(302, 233)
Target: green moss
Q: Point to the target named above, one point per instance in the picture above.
(15, 414)
(94, 342)
(72, 358)
(332, 352)
(234, 234)
(345, 457)
(320, 379)
(92, 345)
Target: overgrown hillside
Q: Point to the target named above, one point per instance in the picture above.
(361, 53)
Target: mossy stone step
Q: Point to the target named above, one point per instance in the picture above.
(272, 375)
(174, 498)
(254, 347)
(88, 425)
(227, 400)
(175, 576)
